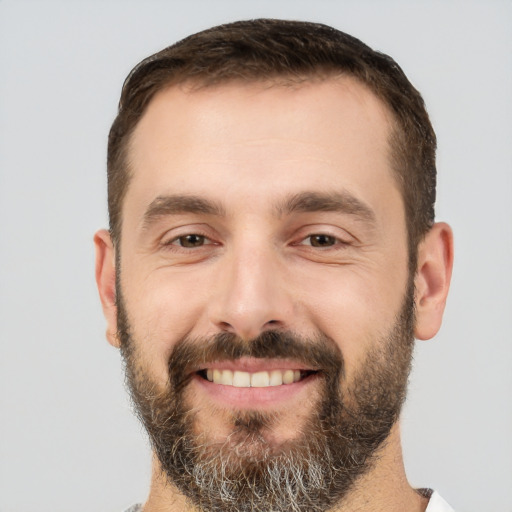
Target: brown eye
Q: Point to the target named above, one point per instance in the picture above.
(191, 241)
(322, 240)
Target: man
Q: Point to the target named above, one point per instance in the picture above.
(272, 255)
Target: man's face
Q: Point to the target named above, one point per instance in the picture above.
(257, 209)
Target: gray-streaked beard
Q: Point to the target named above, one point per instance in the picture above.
(296, 479)
(337, 444)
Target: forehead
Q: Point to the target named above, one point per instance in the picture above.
(257, 139)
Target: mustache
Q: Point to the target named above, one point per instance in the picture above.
(320, 352)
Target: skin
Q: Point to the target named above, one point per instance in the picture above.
(248, 149)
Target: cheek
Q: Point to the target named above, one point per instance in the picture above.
(162, 309)
(355, 307)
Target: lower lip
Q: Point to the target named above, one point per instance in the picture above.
(253, 398)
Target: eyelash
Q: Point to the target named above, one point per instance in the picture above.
(335, 241)
(172, 243)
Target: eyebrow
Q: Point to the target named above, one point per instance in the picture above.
(304, 202)
(180, 204)
(339, 202)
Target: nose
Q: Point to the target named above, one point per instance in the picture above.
(250, 297)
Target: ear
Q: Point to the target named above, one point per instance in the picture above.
(432, 280)
(106, 282)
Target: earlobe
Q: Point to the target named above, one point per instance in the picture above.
(106, 282)
(432, 281)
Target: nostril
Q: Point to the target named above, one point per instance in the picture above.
(247, 329)
(272, 325)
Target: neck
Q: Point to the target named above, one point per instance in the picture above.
(383, 488)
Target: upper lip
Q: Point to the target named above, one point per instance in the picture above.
(253, 365)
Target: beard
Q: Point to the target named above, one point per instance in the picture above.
(336, 444)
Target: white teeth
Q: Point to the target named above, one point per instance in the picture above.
(288, 377)
(227, 378)
(242, 380)
(217, 376)
(260, 380)
(256, 380)
(276, 378)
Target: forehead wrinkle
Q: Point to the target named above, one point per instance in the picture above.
(340, 202)
(178, 204)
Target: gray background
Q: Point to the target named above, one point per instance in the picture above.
(67, 439)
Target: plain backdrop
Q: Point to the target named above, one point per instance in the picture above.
(68, 441)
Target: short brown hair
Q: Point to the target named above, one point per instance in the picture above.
(287, 51)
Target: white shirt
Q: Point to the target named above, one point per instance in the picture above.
(437, 504)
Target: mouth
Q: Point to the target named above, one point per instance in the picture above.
(258, 379)
(250, 383)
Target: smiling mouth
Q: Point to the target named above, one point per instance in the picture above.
(260, 379)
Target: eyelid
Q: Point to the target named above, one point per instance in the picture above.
(172, 241)
(341, 236)
(171, 236)
(337, 242)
